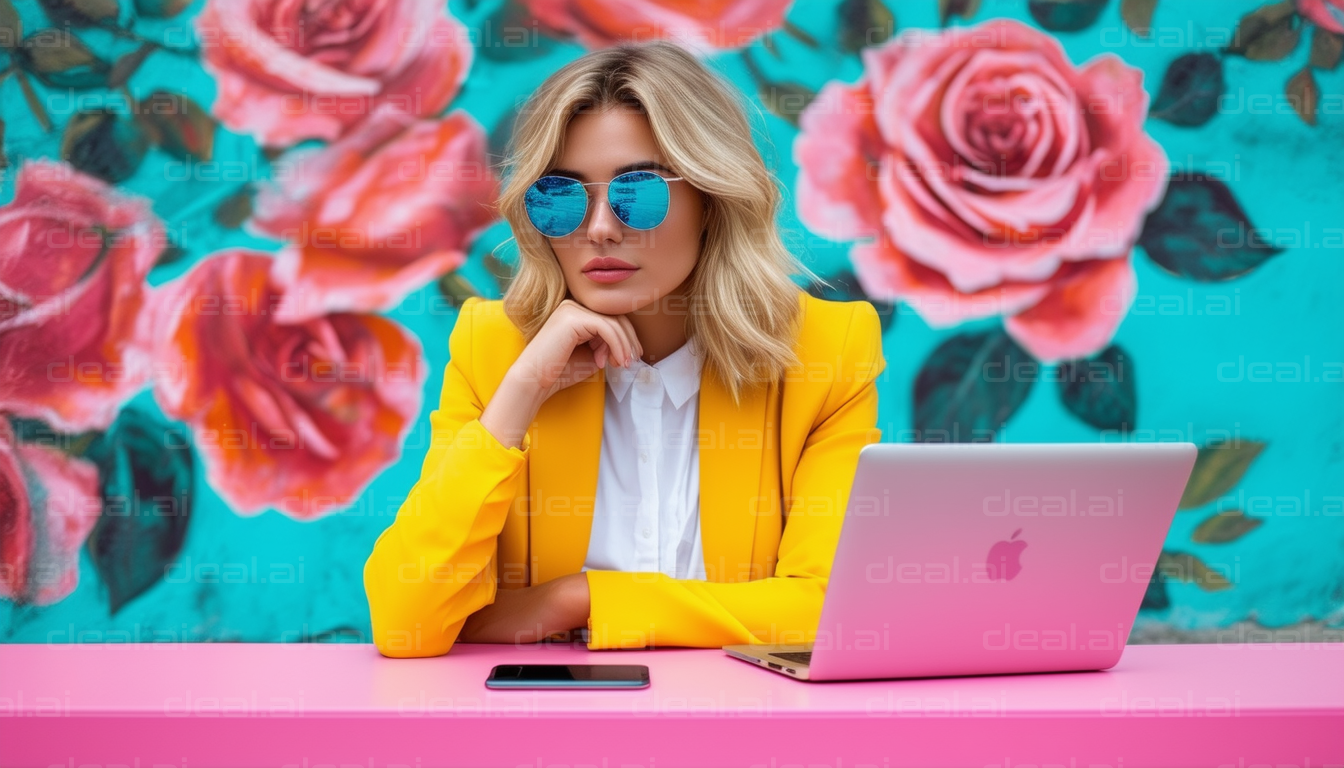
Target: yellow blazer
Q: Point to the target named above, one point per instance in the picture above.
(775, 478)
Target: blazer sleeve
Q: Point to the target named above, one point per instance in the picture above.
(432, 567)
(638, 609)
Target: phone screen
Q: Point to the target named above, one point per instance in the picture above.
(568, 676)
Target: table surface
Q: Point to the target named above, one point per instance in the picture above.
(258, 704)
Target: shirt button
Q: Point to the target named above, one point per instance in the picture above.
(643, 455)
(647, 533)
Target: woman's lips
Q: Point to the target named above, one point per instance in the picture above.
(609, 275)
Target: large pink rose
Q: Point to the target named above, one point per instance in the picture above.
(288, 71)
(1327, 14)
(299, 417)
(49, 503)
(74, 253)
(989, 176)
(372, 217)
(699, 26)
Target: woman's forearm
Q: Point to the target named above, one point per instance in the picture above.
(531, 614)
(512, 409)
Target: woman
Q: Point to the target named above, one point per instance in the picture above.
(652, 436)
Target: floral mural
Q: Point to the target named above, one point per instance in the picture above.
(234, 236)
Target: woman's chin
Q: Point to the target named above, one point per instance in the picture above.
(613, 299)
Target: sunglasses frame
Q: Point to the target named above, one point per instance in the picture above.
(588, 200)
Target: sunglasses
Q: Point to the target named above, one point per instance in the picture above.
(557, 205)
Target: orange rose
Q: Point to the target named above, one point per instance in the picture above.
(296, 416)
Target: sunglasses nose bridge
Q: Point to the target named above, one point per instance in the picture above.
(599, 205)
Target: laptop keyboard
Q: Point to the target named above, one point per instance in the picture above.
(798, 657)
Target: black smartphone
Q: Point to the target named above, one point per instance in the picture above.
(568, 676)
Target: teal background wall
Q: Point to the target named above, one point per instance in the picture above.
(147, 491)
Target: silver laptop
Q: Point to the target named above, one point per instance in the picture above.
(989, 558)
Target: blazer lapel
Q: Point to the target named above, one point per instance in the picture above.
(563, 469)
(732, 444)
(566, 448)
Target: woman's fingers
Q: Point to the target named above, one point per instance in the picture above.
(613, 335)
(629, 329)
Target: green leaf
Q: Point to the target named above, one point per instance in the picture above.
(456, 289)
(1218, 467)
(788, 100)
(82, 13)
(1224, 527)
(34, 102)
(124, 67)
(864, 23)
(964, 9)
(1326, 47)
(160, 9)
(1304, 94)
(178, 125)
(1155, 597)
(233, 210)
(1190, 90)
(145, 470)
(171, 254)
(102, 143)
(1101, 391)
(1138, 15)
(1200, 232)
(61, 60)
(1065, 15)
(510, 34)
(11, 26)
(1182, 566)
(970, 386)
(1269, 33)
(800, 34)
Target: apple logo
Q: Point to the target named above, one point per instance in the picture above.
(1003, 558)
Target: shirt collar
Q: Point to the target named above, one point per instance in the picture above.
(680, 372)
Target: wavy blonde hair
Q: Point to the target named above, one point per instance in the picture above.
(744, 305)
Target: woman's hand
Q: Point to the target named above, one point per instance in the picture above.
(570, 347)
(573, 344)
(531, 614)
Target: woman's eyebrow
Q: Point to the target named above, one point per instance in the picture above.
(642, 165)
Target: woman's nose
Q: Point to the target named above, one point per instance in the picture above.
(603, 226)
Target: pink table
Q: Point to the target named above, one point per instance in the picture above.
(229, 704)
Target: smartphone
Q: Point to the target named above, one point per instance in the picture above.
(568, 676)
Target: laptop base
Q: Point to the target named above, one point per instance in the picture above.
(763, 655)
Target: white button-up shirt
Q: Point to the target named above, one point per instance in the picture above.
(647, 512)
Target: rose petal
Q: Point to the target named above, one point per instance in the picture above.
(1081, 313)
(837, 152)
(884, 272)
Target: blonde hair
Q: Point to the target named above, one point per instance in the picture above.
(744, 306)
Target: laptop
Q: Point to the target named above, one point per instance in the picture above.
(989, 558)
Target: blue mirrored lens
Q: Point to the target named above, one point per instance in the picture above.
(639, 198)
(556, 205)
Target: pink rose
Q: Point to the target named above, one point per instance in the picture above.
(701, 27)
(74, 253)
(49, 503)
(1326, 14)
(289, 71)
(992, 177)
(299, 417)
(374, 216)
